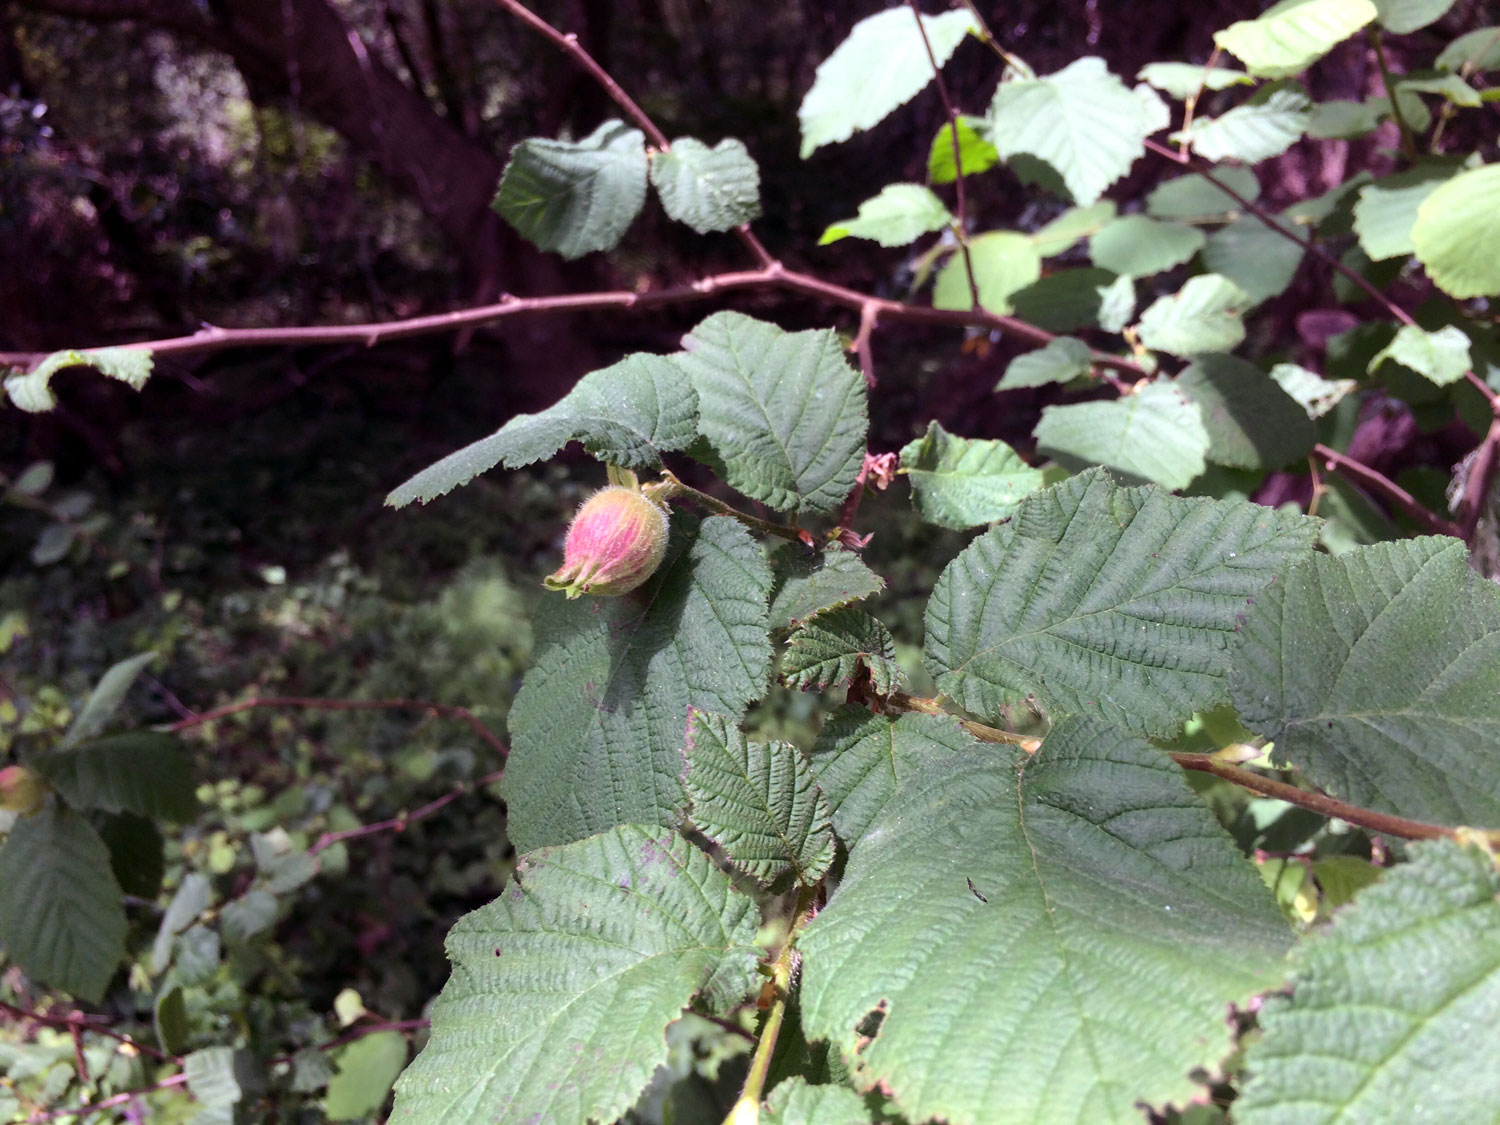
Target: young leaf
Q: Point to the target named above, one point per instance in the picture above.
(1113, 601)
(1003, 261)
(757, 801)
(1050, 901)
(575, 196)
(976, 153)
(1387, 210)
(1203, 316)
(1193, 197)
(1181, 80)
(627, 414)
(784, 411)
(597, 727)
(709, 189)
(833, 647)
(1138, 246)
(1310, 390)
(1402, 17)
(1153, 435)
(880, 67)
(61, 919)
(1082, 120)
(1294, 34)
(899, 215)
(143, 772)
(1442, 356)
(1253, 256)
(1251, 422)
(1457, 234)
(32, 391)
(1377, 673)
(1073, 224)
(959, 483)
(1477, 50)
(1253, 132)
(106, 698)
(1414, 964)
(1063, 359)
(806, 583)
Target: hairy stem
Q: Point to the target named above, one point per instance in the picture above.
(671, 488)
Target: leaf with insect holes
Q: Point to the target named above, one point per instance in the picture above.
(833, 647)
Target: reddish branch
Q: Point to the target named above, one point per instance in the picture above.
(1382, 485)
(1480, 484)
(400, 823)
(79, 1023)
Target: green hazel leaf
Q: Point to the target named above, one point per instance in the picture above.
(367, 1069)
(1158, 112)
(217, 1077)
(1116, 304)
(1477, 50)
(1182, 80)
(784, 411)
(1292, 35)
(1138, 246)
(1442, 356)
(1192, 197)
(976, 153)
(861, 760)
(1082, 120)
(1341, 119)
(1449, 86)
(1254, 256)
(880, 67)
(833, 647)
(1003, 262)
(106, 698)
(1063, 359)
(1205, 315)
(1251, 422)
(1069, 299)
(808, 582)
(135, 853)
(1387, 210)
(1118, 602)
(563, 987)
(61, 918)
(1377, 673)
(575, 197)
(757, 801)
(1414, 965)
(709, 189)
(794, 1102)
(597, 727)
(1154, 435)
(1311, 391)
(1457, 234)
(1341, 877)
(1072, 225)
(1402, 17)
(1253, 132)
(899, 215)
(627, 414)
(1016, 915)
(142, 772)
(959, 483)
(32, 391)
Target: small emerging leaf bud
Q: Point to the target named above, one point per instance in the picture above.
(615, 543)
(21, 791)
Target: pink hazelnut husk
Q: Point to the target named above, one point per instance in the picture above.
(21, 790)
(615, 542)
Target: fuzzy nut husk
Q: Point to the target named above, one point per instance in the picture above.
(615, 542)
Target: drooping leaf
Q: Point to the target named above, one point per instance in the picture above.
(833, 647)
(1082, 120)
(1457, 234)
(1003, 262)
(1402, 17)
(1051, 900)
(1387, 210)
(1138, 246)
(784, 411)
(899, 215)
(1449, 86)
(142, 772)
(1442, 356)
(1119, 602)
(106, 698)
(1251, 422)
(1294, 34)
(1063, 359)
(976, 153)
(880, 67)
(1310, 390)
(1253, 256)
(794, 1102)
(1066, 300)
(1205, 315)
(1252, 132)
(1377, 673)
(756, 800)
(1072, 225)
(1414, 964)
(861, 760)
(1478, 50)
(957, 482)
(32, 391)
(597, 728)
(627, 414)
(367, 1069)
(1154, 435)
(621, 930)
(709, 189)
(1194, 197)
(807, 582)
(1182, 80)
(61, 919)
(575, 196)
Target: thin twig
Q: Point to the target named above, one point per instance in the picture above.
(1381, 484)
(867, 318)
(109, 1102)
(78, 1021)
(402, 822)
(1190, 106)
(958, 163)
(671, 487)
(1408, 139)
(1480, 483)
